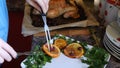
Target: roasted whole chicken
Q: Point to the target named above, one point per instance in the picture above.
(60, 12)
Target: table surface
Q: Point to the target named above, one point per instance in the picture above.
(85, 33)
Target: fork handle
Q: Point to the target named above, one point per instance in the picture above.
(23, 53)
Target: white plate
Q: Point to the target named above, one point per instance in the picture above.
(110, 50)
(113, 34)
(112, 44)
(65, 62)
(111, 47)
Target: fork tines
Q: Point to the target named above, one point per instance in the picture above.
(47, 32)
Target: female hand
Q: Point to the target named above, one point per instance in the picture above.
(44, 4)
(6, 52)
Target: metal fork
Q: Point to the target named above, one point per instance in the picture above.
(47, 32)
(23, 53)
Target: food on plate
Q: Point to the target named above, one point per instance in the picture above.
(60, 43)
(96, 57)
(93, 56)
(37, 59)
(59, 7)
(74, 50)
(53, 52)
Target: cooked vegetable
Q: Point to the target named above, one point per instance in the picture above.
(37, 59)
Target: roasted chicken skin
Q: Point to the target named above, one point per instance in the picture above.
(67, 8)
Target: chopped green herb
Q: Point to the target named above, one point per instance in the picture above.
(37, 59)
(96, 57)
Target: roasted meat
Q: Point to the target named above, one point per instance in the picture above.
(60, 12)
(62, 7)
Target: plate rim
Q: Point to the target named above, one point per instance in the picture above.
(111, 52)
(112, 46)
(114, 40)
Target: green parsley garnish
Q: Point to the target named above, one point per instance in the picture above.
(37, 59)
(96, 57)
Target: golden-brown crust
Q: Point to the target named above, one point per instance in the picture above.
(59, 7)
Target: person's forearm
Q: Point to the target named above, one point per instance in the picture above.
(6, 51)
(3, 20)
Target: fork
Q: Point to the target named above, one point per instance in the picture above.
(23, 53)
(47, 32)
